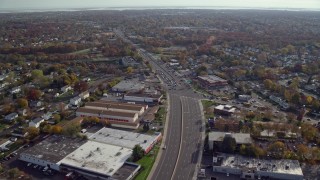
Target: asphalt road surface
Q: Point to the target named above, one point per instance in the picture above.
(183, 137)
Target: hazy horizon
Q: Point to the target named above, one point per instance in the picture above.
(17, 5)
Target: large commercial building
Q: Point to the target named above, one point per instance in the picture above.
(126, 139)
(113, 106)
(128, 86)
(51, 150)
(117, 119)
(122, 115)
(212, 82)
(94, 160)
(217, 137)
(250, 168)
(145, 98)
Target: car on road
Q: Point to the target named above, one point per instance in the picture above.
(164, 147)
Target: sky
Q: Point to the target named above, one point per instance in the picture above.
(67, 4)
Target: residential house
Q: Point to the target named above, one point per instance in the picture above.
(11, 117)
(15, 90)
(23, 112)
(47, 116)
(226, 110)
(84, 95)
(36, 122)
(75, 101)
(66, 88)
(4, 143)
(3, 77)
(19, 132)
(35, 104)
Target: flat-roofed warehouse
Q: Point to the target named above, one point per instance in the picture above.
(51, 150)
(120, 107)
(96, 159)
(117, 119)
(126, 139)
(145, 98)
(128, 86)
(250, 168)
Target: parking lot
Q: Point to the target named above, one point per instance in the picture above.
(34, 172)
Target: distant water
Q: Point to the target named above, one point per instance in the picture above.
(155, 7)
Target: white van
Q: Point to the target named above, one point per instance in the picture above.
(83, 131)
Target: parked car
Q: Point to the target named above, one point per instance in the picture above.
(45, 169)
(29, 164)
(35, 166)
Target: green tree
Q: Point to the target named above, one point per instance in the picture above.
(71, 130)
(47, 128)
(146, 127)
(57, 118)
(228, 144)
(137, 152)
(13, 173)
(35, 74)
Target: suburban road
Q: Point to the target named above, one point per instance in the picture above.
(169, 156)
(183, 136)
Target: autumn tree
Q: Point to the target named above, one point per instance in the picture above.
(34, 94)
(56, 129)
(32, 132)
(277, 149)
(81, 86)
(308, 132)
(129, 70)
(22, 103)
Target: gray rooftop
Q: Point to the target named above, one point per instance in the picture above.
(98, 157)
(128, 85)
(241, 138)
(212, 78)
(123, 138)
(54, 148)
(283, 166)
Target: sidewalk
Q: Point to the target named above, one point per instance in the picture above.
(155, 164)
(203, 135)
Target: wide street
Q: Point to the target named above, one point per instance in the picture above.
(181, 146)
